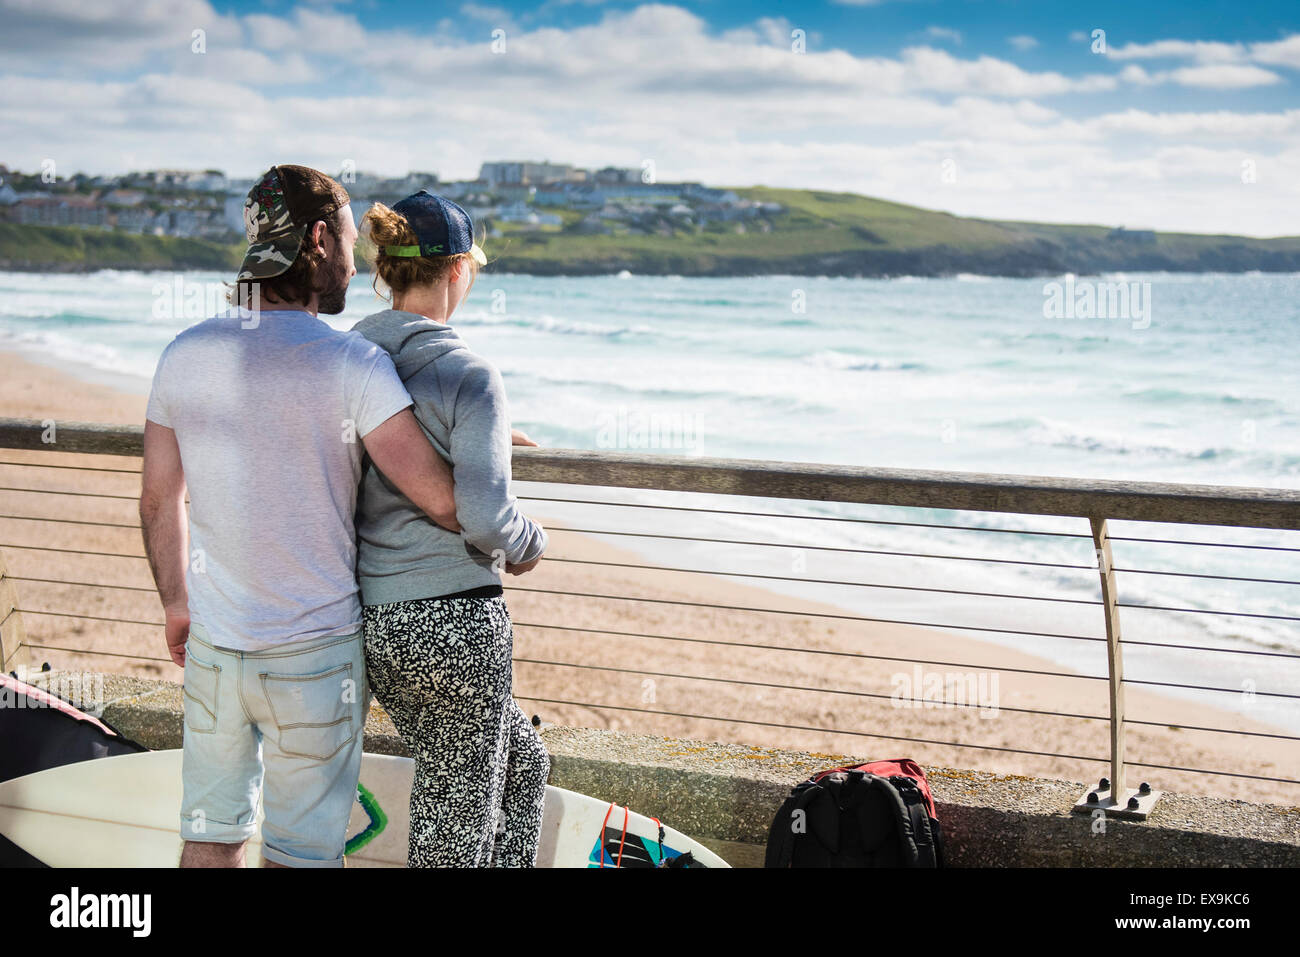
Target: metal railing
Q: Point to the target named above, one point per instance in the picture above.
(701, 496)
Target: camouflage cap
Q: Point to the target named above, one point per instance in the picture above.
(277, 213)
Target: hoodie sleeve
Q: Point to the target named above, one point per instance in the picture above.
(480, 459)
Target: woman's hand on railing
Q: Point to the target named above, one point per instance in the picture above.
(519, 437)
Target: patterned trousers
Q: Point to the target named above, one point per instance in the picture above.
(441, 669)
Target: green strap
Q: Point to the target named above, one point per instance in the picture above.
(411, 251)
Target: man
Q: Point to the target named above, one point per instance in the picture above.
(262, 415)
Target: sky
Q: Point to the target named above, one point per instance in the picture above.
(1167, 115)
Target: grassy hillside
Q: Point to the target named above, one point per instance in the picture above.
(822, 233)
(59, 248)
(817, 233)
(845, 220)
(814, 224)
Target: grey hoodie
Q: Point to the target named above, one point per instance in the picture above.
(460, 401)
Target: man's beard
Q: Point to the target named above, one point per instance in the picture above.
(334, 278)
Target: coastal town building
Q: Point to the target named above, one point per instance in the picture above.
(508, 195)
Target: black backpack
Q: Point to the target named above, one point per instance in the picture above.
(39, 730)
(857, 817)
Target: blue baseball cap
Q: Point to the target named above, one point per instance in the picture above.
(441, 228)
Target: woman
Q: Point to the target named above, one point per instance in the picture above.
(438, 636)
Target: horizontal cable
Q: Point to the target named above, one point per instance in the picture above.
(1194, 727)
(819, 651)
(1222, 651)
(66, 614)
(796, 546)
(869, 521)
(891, 737)
(75, 468)
(68, 521)
(828, 581)
(60, 581)
(854, 654)
(70, 551)
(46, 491)
(1227, 578)
(1180, 541)
(1152, 644)
(1206, 611)
(1174, 684)
(923, 661)
(811, 518)
(725, 644)
(110, 654)
(1226, 774)
(819, 548)
(862, 694)
(798, 727)
(802, 614)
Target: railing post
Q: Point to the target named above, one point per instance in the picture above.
(1111, 795)
(13, 639)
(1114, 651)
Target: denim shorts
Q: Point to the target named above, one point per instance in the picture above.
(284, 725)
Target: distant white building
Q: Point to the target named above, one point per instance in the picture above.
(233, 212)
(60, 211)
(124, 197)
(527, 174)
(522, 213)
(207, 180)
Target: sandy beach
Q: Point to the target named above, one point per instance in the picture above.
(770, 674)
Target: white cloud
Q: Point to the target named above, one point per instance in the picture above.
(1279, 53)
(496, 16)
(311, 33)
(930, 69)
(70, 36)
(1283, 53)
(1225, 76)
(1022, 42)
(944, 33)
(1222, 124)
(1199, 50)
(651, 82)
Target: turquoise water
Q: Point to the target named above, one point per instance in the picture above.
(963, 373)
(927, 373)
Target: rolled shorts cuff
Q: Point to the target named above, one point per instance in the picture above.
(217, 832)
(288, 860)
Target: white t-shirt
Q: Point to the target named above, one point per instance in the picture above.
(269, 421)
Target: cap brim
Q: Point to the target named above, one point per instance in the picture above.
(477, 252)
(268, 259)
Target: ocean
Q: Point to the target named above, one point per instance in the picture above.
(1186, 378)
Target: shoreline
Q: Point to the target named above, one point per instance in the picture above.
(681, 268)
(72, 374)
(782, 675)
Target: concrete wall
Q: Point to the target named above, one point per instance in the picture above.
(725, 795)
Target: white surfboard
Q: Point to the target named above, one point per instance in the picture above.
(124, 812)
